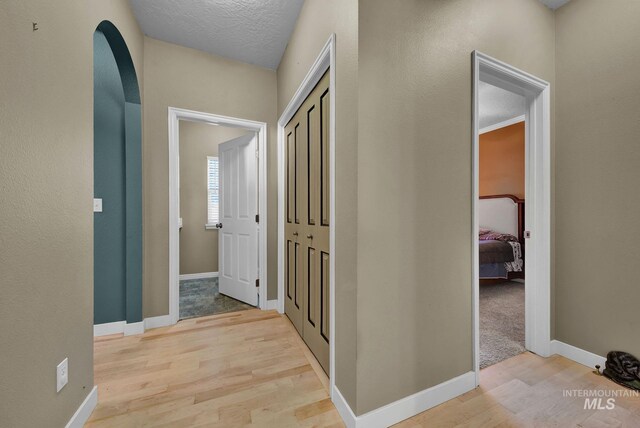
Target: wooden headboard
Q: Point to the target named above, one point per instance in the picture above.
(502, 213)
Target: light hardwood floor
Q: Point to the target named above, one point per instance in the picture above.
(527, 391)
(250, 368)
(245, 368)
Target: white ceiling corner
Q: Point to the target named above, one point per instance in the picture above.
(497, 105)
(251, 31)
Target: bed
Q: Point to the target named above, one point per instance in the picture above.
(501, 237)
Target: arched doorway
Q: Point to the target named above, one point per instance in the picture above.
(117, 186)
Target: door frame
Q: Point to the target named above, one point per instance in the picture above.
(324, 61)
(175, 116)
(538, 200)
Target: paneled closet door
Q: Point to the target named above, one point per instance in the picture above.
(293, 251)
(307, 228)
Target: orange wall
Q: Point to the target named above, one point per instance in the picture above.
(502, 161)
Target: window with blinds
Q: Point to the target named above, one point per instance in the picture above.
(213, 187)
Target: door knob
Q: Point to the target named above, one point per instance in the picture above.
(295, 233)
(218, 225)
(310, 236)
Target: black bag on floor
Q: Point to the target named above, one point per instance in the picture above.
(623, 368)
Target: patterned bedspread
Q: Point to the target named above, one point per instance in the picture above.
(493, 264)
(517, 263)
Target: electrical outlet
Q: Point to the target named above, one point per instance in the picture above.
(62, 374)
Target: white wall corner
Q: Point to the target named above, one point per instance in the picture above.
(84, 411)
(131, 329)
(578, 355)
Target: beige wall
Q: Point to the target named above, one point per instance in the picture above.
(181, 77)
(597, 204)
(46, 171)
(414, 180)
(317, 21)
(198, 246)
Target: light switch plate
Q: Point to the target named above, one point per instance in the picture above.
(62, 374)
(97, 205)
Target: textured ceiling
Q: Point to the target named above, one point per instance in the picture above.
(252, 31)
(497, 105)
(554, 4)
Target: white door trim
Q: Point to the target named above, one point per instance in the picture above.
(325, 60)
(175, 116)
(537, 205)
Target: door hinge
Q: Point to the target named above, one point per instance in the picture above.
(257, 283)
(257, 218)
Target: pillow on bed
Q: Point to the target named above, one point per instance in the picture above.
(490, 235)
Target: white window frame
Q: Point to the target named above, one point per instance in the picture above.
(209, 224)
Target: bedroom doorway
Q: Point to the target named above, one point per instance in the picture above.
(511, 212)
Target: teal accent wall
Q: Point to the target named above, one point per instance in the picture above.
(109, 184)
(133, 190)
(117, 180)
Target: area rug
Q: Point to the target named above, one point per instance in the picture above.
(501, 322)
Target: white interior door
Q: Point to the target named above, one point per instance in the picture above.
(238, 231)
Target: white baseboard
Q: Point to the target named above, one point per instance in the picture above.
(108, 328)
(156, 322)
(133, 328)
(347, 415)
(118, 327)
(84, 411)
(407, 407)
(272, 304)
(198, 275)
(578, 355)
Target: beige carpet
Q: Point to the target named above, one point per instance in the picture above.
(501, 322)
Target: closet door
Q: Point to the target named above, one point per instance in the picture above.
(307, 228)
(293, 251)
